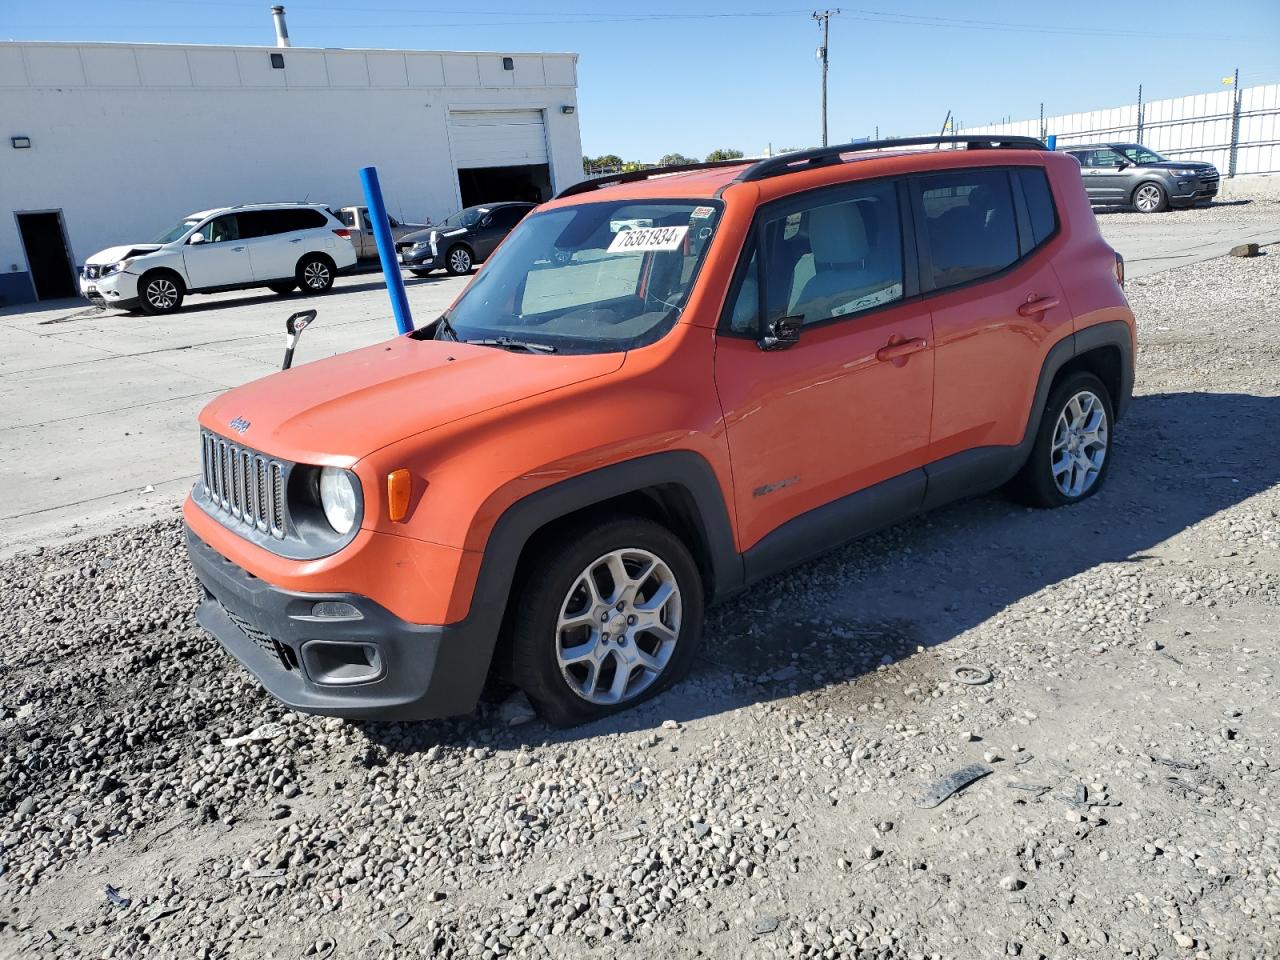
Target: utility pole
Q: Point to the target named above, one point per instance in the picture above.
(825, 19)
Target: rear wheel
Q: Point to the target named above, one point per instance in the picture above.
(1150, 198)
(1072, 453)
(315, 273)
(611, 616)
(161, 291)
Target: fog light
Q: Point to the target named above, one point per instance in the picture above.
(336, 610)
(335, 663)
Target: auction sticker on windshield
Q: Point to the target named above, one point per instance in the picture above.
(645, 239)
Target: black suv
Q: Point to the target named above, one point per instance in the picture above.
(462, 240)
(1131, 175)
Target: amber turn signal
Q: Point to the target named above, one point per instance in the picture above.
(399, 487)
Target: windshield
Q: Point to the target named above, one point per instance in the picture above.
(465, 218)
(591, 278)
(1136, 153)
(176, 231)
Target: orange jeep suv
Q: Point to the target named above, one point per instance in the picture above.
(663, 387)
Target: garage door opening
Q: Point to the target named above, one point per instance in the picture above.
(495, 184)
(45, 245)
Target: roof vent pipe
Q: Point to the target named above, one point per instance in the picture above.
(282, 32)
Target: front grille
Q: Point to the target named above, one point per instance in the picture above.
(243, 484)
(1209, 178)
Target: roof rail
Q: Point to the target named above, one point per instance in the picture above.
(630, 176)
(822, 156)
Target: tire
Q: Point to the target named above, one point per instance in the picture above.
(283, 288)
(420, 273)
(315, 273)
(1150, 197)
(1069, 417)
(459, 261)
(161, 292)
(569, 690)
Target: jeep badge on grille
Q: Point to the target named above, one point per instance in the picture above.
(239, 425)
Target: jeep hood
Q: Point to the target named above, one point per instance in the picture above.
(114, 254)
(337, 410)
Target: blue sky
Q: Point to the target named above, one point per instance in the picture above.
(694, 76)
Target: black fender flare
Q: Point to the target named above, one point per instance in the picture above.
(684, 469)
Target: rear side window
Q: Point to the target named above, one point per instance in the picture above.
(257, 223)
(305, 218)
(970, 225)
(1035, 189)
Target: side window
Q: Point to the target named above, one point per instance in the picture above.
(1105, 158)
(1035, 188)
(220, 229)
(744, 318)
(838, 257)
(508, 217)
(258, 223)
(347, 216)
(970, 226)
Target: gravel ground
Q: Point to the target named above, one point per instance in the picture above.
(155, 803)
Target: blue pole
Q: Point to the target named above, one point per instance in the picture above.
(1051, 141)
(386, 249)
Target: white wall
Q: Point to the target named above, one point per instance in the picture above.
(1197, 127)
(126, 139)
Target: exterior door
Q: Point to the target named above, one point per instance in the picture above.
(984, 239)
(1104, 181)
(222, 259)
(847, 406)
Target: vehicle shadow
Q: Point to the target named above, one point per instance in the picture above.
(924, 583)
(1211, 205)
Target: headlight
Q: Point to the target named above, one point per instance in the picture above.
(338, 498)
(419, 247)
(1184, 173)
(116, 267)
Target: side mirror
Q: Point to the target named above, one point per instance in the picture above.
(196, 238)
(293, 328)
(487, 221)
(781, 333)
(1123, 164)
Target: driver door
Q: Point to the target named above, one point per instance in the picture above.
(221, 258)
(1104, 180)
(843, 411)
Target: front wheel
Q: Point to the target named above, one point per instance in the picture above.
(1150, 198)
(315, 273)
(161, 292)
(459, 261)
(611, 615)
(1072, 452)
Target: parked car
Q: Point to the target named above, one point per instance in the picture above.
(461, 240)
(1131, 175)
(276, 245)
(357, 221)
(611, 428)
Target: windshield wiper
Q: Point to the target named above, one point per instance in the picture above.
(507, 343)
(444, 324)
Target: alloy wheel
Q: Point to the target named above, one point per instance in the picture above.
(316, 275)
(460, 260)
(162, 293)
(618, 626)
(1147, 199)
(1079, 444)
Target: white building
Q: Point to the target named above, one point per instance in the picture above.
(105, 143)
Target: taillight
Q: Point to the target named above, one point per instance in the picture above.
(344, 233)
(1119, 269)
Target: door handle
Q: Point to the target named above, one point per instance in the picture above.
(1032, 307)
(904, 348)
(296, 240)
(238, 249)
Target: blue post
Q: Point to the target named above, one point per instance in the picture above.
(1051, 141)
(386, 248)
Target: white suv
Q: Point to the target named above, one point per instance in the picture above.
(275, 245)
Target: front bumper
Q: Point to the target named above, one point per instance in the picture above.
(400, 670)
(115, 290)
(422, 260)
(1187, 190)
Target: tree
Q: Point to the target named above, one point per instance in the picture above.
(610, 161)
(675, 160)
(724, 154)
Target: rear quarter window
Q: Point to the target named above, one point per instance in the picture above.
(970, 224)
(1035, 189)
